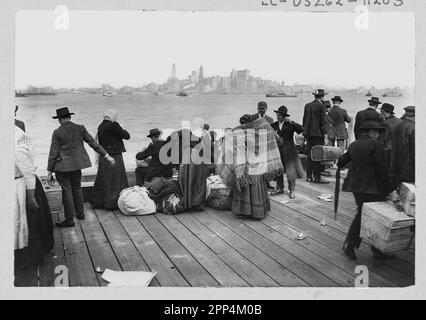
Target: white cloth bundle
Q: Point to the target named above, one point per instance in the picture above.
(135, 201)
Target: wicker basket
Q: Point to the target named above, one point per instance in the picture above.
(325, 153)
(385, 228)
(54, 197)
(407, 193)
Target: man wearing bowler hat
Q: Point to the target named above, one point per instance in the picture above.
(389, 123)
(67, 157)
(404, 147)
(368, 114)
(154, 168)
(339, 116)
(315, 129)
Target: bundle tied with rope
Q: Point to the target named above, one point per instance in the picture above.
(248, 153)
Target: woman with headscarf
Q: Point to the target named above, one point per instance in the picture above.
(33, 219)
(110, 180)
(192, 173)
(249, 158)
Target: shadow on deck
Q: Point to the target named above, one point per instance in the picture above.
(216, 249)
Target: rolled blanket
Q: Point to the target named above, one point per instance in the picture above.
(249, 153)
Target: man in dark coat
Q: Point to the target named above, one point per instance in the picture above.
(315, 129)
(20, 124)
(403, 148)
(284, 129)
(339, 116)
(389, 123)
(155, 167)
(262, 106)
(368, 114)
(67, 157)
(367, 178)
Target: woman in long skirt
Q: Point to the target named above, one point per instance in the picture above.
(192, 174)
(110, 180)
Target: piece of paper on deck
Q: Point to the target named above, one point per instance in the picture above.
(128, 278)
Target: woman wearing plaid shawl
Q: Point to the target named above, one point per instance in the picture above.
(250, 157)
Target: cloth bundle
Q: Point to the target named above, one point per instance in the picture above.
(135, 201)
(166, 194)
(250, 152)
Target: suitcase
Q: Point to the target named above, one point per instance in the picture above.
(385, 228)
(54, 197)
(325, 153)
(407, 193)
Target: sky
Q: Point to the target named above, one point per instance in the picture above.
(135, 48)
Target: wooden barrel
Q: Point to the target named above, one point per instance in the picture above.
(325, 153)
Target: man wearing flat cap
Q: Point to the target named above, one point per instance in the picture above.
(262, 106)
(315, 129)
(403, 147)
(389, 123)
(340, 117)
(67, 157)
(368, 114)
(148, 160)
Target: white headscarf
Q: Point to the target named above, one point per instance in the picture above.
(111, 115)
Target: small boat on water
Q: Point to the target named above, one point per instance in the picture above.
(369, 94)
(19, 94)
(109, 93)
(392, 94)
(280, 95)
(182, 94)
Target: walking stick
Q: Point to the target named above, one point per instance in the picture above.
(336, 193)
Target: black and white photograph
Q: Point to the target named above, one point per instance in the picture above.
(265, 148)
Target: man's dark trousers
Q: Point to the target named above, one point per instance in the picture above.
(72, 194)
(313, 168)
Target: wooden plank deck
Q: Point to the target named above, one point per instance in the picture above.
(216, 249)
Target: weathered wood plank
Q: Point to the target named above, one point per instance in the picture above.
(248, 271)
(125, 251)
(99, 248)
(272, 268)
(295, 265)
(167, 274)
(223, 274)
(188, 266)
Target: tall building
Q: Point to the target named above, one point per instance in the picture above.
(233, 80)
(242, 80)
(201, 75)
(173, 71)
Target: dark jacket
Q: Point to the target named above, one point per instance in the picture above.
(289, 153)
(403, 150)
(256, 116)
(339, 117)
(368, 172)
(367, 114)
(390, 124)
(67, 152)
(20, 124)
(153, 151)
(111, 135)
(315, 120)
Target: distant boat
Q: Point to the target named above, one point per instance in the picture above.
(109, 94)
(182, 94)
(368, 94)
(280, 95)
(392, 94)
(19, 94)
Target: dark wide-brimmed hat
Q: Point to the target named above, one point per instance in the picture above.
(375, 100)
(62, 113)
(371, 125)
(337, 98)
(319, 92)
(282, 110)
(387, 107)
(153, 133)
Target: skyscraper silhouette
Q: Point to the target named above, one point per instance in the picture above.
(173, 71)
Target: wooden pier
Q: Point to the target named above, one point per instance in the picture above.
(216, 249)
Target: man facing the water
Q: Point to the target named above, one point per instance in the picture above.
(67, 157)
(315, 129)
(262, 106)
(368, 114)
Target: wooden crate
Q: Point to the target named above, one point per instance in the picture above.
(325, 153)
(407, 193)
(385, 228)
(54, 197)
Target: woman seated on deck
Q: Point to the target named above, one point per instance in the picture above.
(110, 180)
(250, 157)
(33, 219)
